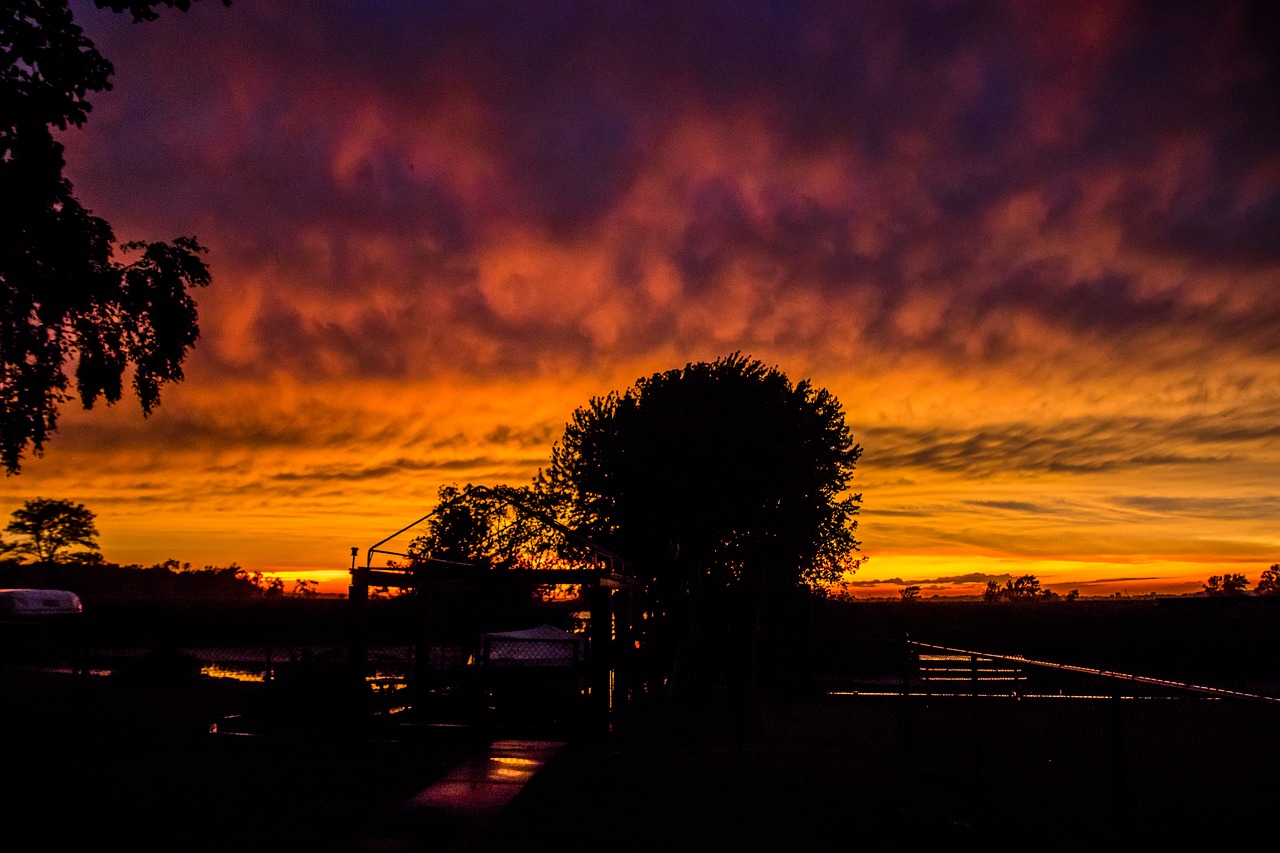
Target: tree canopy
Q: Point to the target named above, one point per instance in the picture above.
(722, 484)
(495, 527)
(1025, 588)
(68, 291)
(724, 468)
(1269, 584)
(49, 529)
(1228, 584)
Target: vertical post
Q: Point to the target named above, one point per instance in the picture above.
(422, 632)
(910, 661)
(358, 617)
(80, 665)
(1118, 756)
(624, 660)
(598, 667)
(977, 732)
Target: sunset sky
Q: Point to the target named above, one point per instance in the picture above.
(1033, 248)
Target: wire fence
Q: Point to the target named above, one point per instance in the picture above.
(895, 666)
(932, 663)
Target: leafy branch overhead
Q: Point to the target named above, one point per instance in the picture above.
(68, 292)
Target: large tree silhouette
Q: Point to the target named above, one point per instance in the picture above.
(68, 291)
(724, 486)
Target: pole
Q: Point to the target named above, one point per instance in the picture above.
(910, 661)
(358, 618)
(1118, 756)
(601, 638)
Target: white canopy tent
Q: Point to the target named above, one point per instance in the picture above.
(542, 646)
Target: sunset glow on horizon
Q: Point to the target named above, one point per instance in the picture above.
(1033, 249)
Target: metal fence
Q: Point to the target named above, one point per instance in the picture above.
(971, 671)
(1120, 746)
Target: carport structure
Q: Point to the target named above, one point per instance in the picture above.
(609, 588)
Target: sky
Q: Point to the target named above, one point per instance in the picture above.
(1033, 249)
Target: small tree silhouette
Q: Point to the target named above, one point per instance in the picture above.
(1270, 582)
(48, 529)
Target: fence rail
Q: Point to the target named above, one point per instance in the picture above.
(928, 653)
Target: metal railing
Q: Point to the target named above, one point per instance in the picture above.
(936, 663)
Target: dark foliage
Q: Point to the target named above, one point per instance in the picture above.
(458, 530)
(1269, 584)
(96, 580)
(68, 292)
(1022, 589)
(723, 469)
(48, 529)
(1228, 584)
(724, 487)
(145, 10)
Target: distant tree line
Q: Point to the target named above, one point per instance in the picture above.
(1027, 588)
(1237, 584)
(56, 540)
(168, 579)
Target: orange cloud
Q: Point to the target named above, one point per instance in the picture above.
(1031, 250)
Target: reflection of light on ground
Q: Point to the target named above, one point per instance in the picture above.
(380, 682)
(485, 783)
(510, 774)
(383, 683)
(512, 761)
(69, 670)
(217, 670)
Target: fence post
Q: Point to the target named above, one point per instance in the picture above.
(1118, 756)
(601, 637)
(977, 731)
(357, 636)
(910, 661)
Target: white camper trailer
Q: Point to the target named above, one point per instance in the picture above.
(31, 603)
(41, 627)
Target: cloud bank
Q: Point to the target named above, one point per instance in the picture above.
(1030, 247)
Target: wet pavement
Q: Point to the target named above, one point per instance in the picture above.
(447, 815)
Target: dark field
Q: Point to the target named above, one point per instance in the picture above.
(111, 764)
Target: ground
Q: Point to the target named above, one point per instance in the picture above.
(98, 764)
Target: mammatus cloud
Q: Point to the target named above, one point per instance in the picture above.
(1030, 248)
(927, 180)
